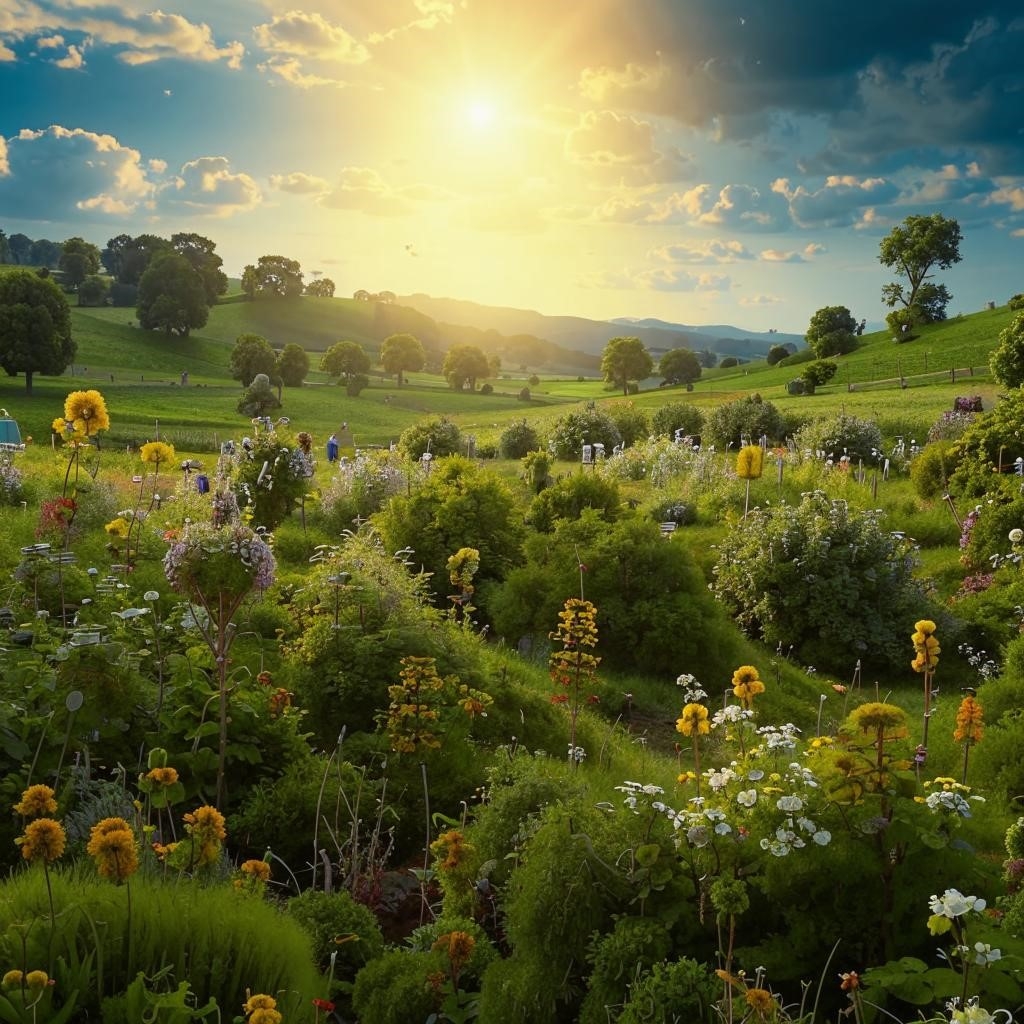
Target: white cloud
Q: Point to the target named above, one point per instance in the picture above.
(299, 183)
(310, 35)
(842, 201)
(208, 186)
(290, 70)
(714, 251)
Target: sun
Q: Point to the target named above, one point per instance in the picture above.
(481, 113)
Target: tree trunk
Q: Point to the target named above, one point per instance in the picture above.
(28, 382)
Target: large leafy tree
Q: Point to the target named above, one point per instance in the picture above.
(832, 331)
(199, 251)
(923, 242)
(252, 355)
(35, 326)
(1007, 361)
(136, 256)
(112, 254)
(273, 276)
(464, 364)
(680, 366)
(349, 362)
(401, 352)
(45, 253)
(78, 260)
(20, 248)
(171, 296)
(625, 360)
(321, 288)
(292, 365)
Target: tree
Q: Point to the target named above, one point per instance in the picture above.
(276, 277)
(361, 295)
(401, 352)
(776, 354)
(78, 260)
(113, 254)
(1007, 361)
(205, 262)
(679, 366)
(35, 326)
(138, 254)
(93, 291)
(45, 253)
(259, 397)
(707, 358)
(5, 249)
(323, 288)
(625, 360)
(250, 281)
(922, 242)
(832, 331)
(171, 296)
(20, 248)
(292, 365)
(251, 356)
(464, 364)
(349, 362)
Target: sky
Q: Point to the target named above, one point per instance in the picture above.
(699, 161)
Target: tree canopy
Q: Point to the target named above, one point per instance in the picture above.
(349, 362)
(251, 356)
(401, 352)
(680, 366)
(464, 364)
(625, 360)
(35, 326)
(199, 252)
(832, 332)
(273, 277)
(321, 288)
(292, 365)
(922, 242)
(171, 296)
(78, 260)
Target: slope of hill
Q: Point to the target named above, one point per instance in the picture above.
(723, 339)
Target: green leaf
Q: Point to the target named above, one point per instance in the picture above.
(647, 855)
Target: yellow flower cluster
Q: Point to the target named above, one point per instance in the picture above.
(876, 717)
(206, 827)
(451, 849)
(163, 776)
(253, 876)
(118, 528)
(156, 452)
(112, 845)
(926, 646)
(33, 980)
(458, 946)
(87, 412)
(746, 684)
(36, 801)
(694, 721)
(44, 840)
(969, 727)
(750, 462)
(262, 1009)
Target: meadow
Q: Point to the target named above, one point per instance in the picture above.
(686, 734)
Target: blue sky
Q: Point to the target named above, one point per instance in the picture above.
(702, 161)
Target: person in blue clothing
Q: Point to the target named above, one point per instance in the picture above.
(332, 448)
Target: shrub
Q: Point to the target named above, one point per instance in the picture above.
(841, 434)
(1016, 302)
(567, 499)
(818, 373)
(518, 439)
(746, 418)
(533, 380)
(487, 389)
(821, 577)
(729, 362)
(950, 425)
(394, 988)
(670, 992)
(524, 395)
(675, 416)
(1007, 359)
(438, 436)
(991, 524)
(343, 932)
(992, 441)
(932, 467)
(632, 422)
(588, 425)
(271, 475)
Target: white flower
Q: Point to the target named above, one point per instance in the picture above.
(789, 804)
(151, 595)
(747, 797)
(984, 954)
(954, 903)
(823, 837)
(720, 778)
(1016, 535)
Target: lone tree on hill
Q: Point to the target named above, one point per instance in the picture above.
(914, 247)
(464, 364)
(273, 276)
(321, 288)
(348, 361)
(680, 366)
(402, 352)
(35, 326)
(251, 356)
(292, 365)
(625, 360)
(78, 260)
(832, 332)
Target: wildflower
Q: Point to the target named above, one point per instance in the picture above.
(259, 869)
(324, 1005)
(694, 721)
(747, 797)
(163, 776)
(44, 840)
(206, 822)
(926, 646)
(458, 946)
(878, 717)
(156, 452)
(746, 685)
(984, 954)
(12, 979)
(954, 903)
(37, 980)
(452, 847)
(118, 528)
(684, 777)
(87, 411)
(36, 801)
(969, 727)
(112, 845)
(1016, 535)
(850, 981)
(760, 1000)
(262, 1009)
(971, 1013)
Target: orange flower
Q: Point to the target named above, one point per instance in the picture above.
(969, 727)
(694, 721)
(36, 801)
(44, 840)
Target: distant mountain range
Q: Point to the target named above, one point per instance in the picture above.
(591, 336)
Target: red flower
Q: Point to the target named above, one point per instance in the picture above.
(560, 698)
(593, 699)
(324, 1004)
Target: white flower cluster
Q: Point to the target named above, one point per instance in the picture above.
(693, 693)
(779, 737)
(946, 801)
(953, 903)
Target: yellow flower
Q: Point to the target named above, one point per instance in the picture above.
(37, 980)
(118, 528)
(157, 452)
(206, 822)
(163, 776)
(87, 410)
(926, 646)
(112, 845)
(12, 979)
(694, 721)
(259, 1002)
(257, 868)
(761, 1001)
(969, 727)
(876, 716)
(684, 777)
(59, 425)
(44, 840)
(265, 1017)
(36, 801)
(458, 945)
(750, 462)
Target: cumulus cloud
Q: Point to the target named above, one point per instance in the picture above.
(714, 251)
(840, 202)
(622, 148)
(209, 187)
(299, 183)
(52, 173)
(659, 279)
(365, 189)
(808, 253)
(759, 301)
(309, 35)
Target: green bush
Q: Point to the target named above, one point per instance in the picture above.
(394, 988)
(747, 419)
(1016, 301)
(839, 435)
(567, 498)
(271, 477)
(438, 436)
(991, 442)
(518, 439)
(668, 419)
(588, 425)
(343, 932)
(824, 578)
(632, 421)
(932, 467)
(672, 992)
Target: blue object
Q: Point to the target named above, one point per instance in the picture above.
(332, 450)
(203, 483)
